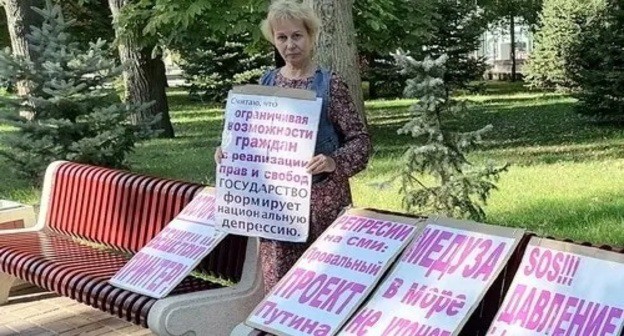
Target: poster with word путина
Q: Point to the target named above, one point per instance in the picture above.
(563, 289)
(174, 252)
(437, 281)
(263, 188)
(335, 275)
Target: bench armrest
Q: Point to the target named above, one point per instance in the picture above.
(212, 312)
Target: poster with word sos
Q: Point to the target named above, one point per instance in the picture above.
(563, 289)
(174, 252)
(335, 275)
(437, 281)
(263, 188)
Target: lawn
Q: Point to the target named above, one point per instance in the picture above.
(566, 177)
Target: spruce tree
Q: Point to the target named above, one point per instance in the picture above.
(600, 60)
(456, 31)
(561, 27)
(436, 176)
(213, 64)
(74, 111)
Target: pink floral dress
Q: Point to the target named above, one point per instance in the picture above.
(331, 195)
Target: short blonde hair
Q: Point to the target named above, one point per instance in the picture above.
(291, 10)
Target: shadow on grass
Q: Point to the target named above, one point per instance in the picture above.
(504, 87)
(523, 132)
(599, 220)
(374, 108)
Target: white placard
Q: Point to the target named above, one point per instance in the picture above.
(438, 280)
(263, 188)
(334, 275)
(175, 251)
(563, 289)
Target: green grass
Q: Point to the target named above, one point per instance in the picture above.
(566, 177)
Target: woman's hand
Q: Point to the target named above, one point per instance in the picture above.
(218, 155)
(321, 164)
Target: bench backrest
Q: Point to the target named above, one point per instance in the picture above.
(124, 211)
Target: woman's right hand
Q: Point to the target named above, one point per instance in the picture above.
(218, 155)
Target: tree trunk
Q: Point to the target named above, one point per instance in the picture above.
(372, 85)
(20, 17)
(337, 48)
(144, 77)
(512, 47)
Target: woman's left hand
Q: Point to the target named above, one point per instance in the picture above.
(321, 164)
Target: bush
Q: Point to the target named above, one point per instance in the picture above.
(72, 111)
(600, 60)
(561, 27)
(212, 65)
(457, 30)
(384, 77)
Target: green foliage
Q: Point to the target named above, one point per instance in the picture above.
(5, 40)
(383, 75)
(562, 23)
(439, 153)
(378, 23)
(432, 28)
(499, 11)
(170, 21)
(214, 64)
(600, 62)
(567, 180)
(457, 30)
(92, 20)
(73, 111)
(173, 22)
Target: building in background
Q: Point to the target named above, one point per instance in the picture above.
(496, 48)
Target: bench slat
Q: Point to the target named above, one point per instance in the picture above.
(61, 265)
(116, 213)
(124, 211)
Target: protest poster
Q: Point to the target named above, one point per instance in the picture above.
(335, 275)
(174, 252)
(438, 280)
(263, 188)
(563, 289)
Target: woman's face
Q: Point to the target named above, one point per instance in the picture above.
(293, 42)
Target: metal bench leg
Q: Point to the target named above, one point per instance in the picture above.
(6, 281)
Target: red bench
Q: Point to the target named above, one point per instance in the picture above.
(92, 219)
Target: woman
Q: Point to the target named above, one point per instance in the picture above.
(343, 145)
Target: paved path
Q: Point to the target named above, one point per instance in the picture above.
(32, 312)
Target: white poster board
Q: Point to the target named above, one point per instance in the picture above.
(563, 289)
(263, 188)
(174, 252)
(438, 280)
(334, 275)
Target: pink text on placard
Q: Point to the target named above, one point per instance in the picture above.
(319, 290)
(551, 313)
(374, 227)
(281, 131)
(202, 206)
(170, 233)
(314, 255)
(398, 326)
(554, 266)
(284, 117)
(429, 298)
(272, 314)
(178, 247)
(162, 271)
(446, 253)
